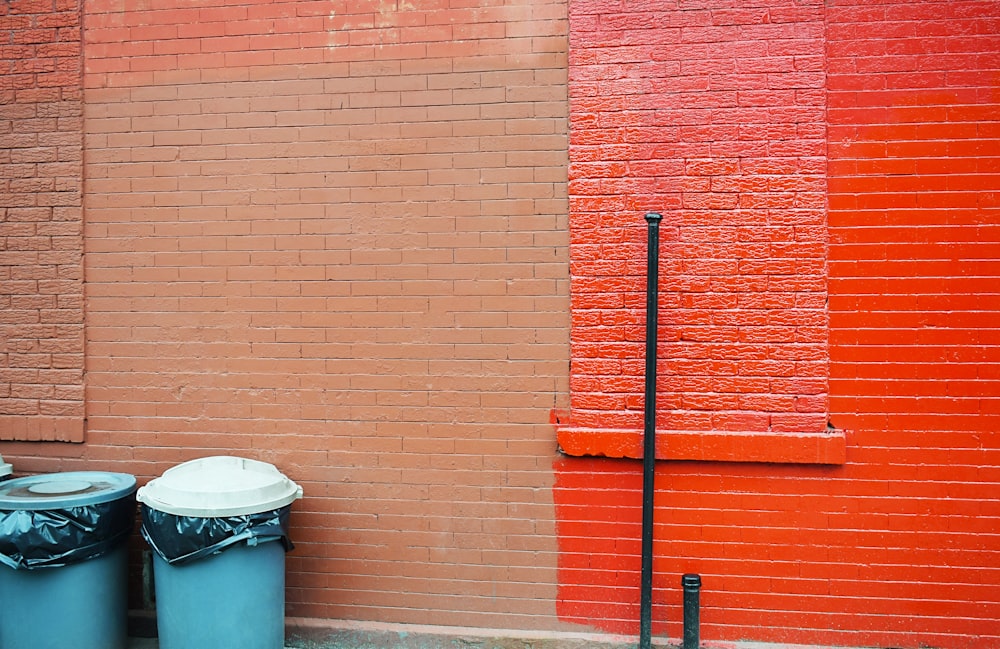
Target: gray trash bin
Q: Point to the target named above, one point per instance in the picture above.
(5, 469)
(64, 560)
(218, 527)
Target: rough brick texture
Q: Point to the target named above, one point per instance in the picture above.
(714, 115)
(898, 546)
(41, 275)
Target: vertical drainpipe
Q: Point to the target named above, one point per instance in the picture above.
(649, 429)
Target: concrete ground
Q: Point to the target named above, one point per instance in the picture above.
(304, 633)
(151, 643)
(411, 642)
(471, 639)
(405, 643)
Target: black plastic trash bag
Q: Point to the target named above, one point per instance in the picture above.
(182, 539)
(31, 539)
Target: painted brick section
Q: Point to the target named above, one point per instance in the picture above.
(332, 236)
(899, 546)
(713, 115)
(41, 244)
(915, 215)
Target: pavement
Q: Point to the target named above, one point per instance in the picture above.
(153, 643)
(405, 640)
(304, 633)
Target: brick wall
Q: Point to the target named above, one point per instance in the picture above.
(715, 117)
(41, 280)
(332, 236)
(896, 546)
(729, 146)
(914, 214)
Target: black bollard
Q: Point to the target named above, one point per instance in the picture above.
(692, 614)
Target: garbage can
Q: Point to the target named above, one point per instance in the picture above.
(64, 560)
(218, 527)
(5, 469)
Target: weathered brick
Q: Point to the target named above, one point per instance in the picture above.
(43, 195)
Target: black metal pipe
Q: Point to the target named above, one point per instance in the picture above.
(649, 429)
(692, 611)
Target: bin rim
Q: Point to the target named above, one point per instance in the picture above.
(51, 491)
(219, 486)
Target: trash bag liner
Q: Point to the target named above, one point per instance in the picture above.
(31, 539)
(182, 539)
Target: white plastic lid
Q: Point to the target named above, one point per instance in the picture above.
(5, 469)
(213, 487)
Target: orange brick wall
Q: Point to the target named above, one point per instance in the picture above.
(332, 236)
(41, 278)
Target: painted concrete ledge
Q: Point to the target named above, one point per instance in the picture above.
(305, 633)
(829, 447)
(342, 634)
(309, 633)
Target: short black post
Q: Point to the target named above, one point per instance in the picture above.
(692, 614)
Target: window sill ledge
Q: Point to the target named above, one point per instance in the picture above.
(709, 446)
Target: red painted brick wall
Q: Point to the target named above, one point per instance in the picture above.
(41, 275)
(897, 546)
(915, 170)
(714, 116)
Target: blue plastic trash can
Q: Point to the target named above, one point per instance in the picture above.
(218, 529)
(64, 560)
